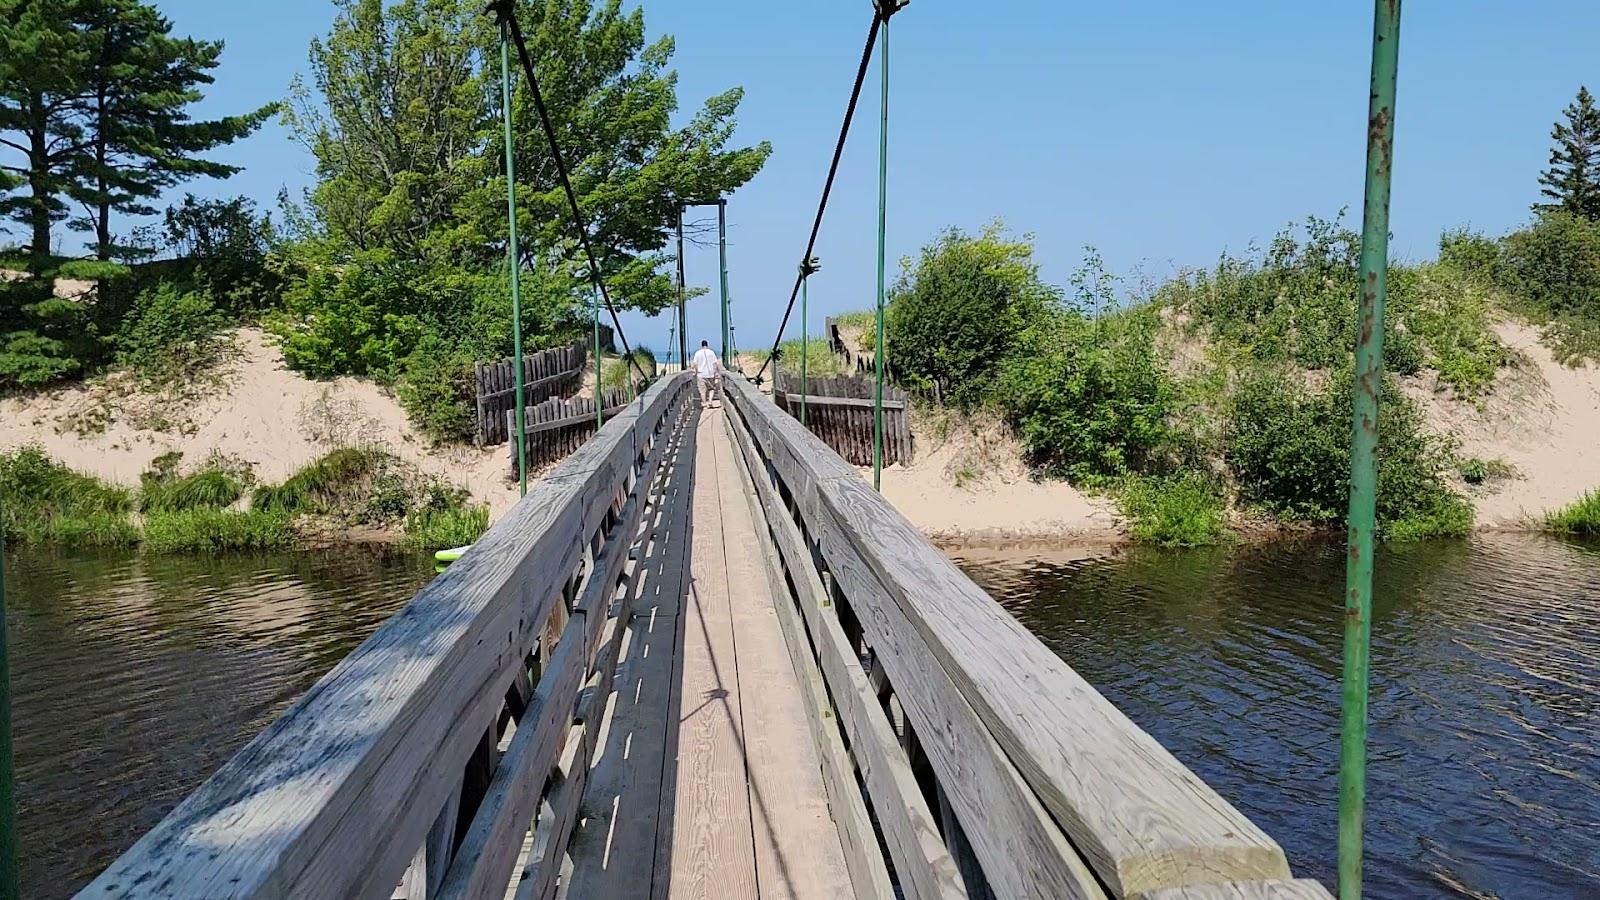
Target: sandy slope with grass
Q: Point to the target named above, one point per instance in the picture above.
(1543, 418)
(252, 408)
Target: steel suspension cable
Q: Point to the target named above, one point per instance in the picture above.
(503, 9)
(879, 15)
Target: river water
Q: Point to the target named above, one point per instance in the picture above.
(1484, 764)
(135, 678)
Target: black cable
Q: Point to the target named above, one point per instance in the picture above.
(878, 15)
(503, 9)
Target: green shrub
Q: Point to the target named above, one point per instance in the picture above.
(437, 391)
(441, 529)
(1581, 517)
(1474, 470)
(1297, 303)
(1552, 271)
(171, 333)
(216, 530)
(958, 313)
(1090, 397)
(1183, 510)
(1452, 316)
(30, 360)
(1471, 254)
(1288, 449)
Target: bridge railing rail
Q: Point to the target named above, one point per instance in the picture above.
(416, 766)
(987, 766)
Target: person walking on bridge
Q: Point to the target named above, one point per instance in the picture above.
(708, 375)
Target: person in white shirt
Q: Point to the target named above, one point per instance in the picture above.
(707, 374)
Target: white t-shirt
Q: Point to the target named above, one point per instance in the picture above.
(706, 363)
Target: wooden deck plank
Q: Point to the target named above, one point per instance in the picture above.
(615, 847)
(705, 804)
(798, 854)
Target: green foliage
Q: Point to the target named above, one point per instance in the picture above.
(216, 485)
(1476, 471)
(958, 313)
(104, 530)
(1296, 304)
(1471, 254)
(1288, 449)
(1572, 183)
(406, 229)
(442, 529)
(171, 333)
(1452, 315)
(1552, 272)
(325, 486)
(437, 390)
(202, 530)
(39, 496)
(1581, 517)
(108, 122)
(1090, 397)
(1182, 510)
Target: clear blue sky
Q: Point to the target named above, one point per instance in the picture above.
(1161, 132)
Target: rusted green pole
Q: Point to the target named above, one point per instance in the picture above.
(1364, 445)
(886, 8)
(722, 259)
(512, 252)
(10, 887)
(807, 269)
(599, 396)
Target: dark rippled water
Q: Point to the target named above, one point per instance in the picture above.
(1484, 771)
(134, 678)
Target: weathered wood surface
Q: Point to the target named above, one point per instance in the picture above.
(546, 374)
(1297, 889)
(557, 427)
(1018, 742)
(839, 411)
(336, 796)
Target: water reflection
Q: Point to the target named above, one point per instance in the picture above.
(1484, 772)
(136, 677)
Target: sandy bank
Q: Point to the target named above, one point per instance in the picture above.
(253, 408)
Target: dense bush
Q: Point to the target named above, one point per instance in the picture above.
(954, 316)
(44, 338)
(1552, 271)
(1181, 510)
(437, 390)
(1288, 450)
(171, 333)
(1089, 396)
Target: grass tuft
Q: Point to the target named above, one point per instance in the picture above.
(216, 531)
(432, 529)
(1174, 510)
(1581, 517)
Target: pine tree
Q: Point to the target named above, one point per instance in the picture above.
(1572, 182)
(43, 66)
(141, 140)
(95, 96)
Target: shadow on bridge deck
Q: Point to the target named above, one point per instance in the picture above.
(706, 781)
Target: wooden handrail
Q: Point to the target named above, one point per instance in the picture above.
(357, 783)
(1045, 787)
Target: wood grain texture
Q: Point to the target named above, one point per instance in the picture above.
(797, 846)
(376, 739)
(1141, 818)
(924, 867)
(712, 853)
(1296, 889)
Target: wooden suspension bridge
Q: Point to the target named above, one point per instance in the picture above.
(703, 659)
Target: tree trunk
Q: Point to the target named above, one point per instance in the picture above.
(38, 178)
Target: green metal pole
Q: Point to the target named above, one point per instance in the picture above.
(722, 254)
(515, 257)
(1364, 445)
(10, 888)
(683, 322)
(599, 401)
(883, 215)
(805, 335)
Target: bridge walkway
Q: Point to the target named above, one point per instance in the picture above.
(706, 782)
